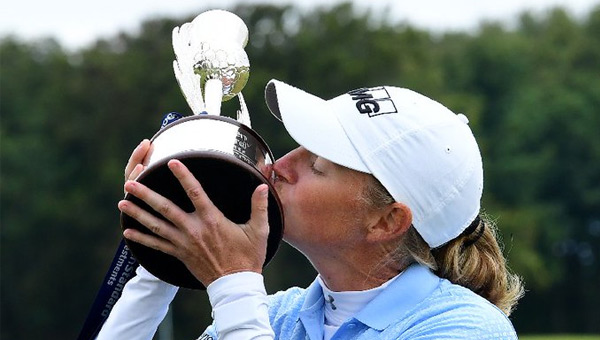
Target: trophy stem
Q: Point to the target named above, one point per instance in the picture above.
(213, 96)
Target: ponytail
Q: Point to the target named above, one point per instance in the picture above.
(475, 260)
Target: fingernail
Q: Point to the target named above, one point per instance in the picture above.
(130, 186)
(264, 191)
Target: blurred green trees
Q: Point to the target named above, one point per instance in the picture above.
(70, 119)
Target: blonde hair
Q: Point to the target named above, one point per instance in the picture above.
(473, 260)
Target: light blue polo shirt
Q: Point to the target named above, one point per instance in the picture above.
(417, 305)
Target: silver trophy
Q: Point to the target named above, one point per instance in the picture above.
(228, 158)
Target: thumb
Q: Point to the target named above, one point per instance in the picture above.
(259, 217)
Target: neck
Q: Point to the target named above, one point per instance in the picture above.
(354, 270)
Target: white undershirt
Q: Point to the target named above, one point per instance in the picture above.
(341, 306)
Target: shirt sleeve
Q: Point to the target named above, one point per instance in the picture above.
(143, 305)
(240, 307)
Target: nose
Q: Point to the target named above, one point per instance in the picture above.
(285, 168)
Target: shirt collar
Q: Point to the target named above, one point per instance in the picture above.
(401, 296)
(415, 284)
(312, 312)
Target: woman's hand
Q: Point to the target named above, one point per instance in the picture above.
(208, 243)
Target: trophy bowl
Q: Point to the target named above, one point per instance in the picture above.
(229, 160)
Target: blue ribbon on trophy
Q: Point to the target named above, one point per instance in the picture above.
(210, 66)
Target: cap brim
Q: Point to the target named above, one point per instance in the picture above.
(312, 123)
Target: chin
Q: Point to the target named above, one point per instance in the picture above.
(289, 238)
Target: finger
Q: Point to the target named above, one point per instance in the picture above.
(259, 215)
(150, 241)
(160, 204)
(137, 157)
(153, 223)
(192, 187)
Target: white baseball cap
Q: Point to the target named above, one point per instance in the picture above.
(422, 153)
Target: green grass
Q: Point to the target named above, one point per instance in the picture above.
(560, 337)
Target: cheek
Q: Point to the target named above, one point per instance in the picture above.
(322, 210)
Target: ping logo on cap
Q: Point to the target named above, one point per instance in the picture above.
(373, 101)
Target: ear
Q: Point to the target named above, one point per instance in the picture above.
(392, 222)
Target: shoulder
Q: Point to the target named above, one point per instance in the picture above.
(453, 311)
(284, 311)
(284, 307)
(286, 300)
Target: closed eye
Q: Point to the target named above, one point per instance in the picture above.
(314, 169)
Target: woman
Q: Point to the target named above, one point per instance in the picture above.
(382, 196)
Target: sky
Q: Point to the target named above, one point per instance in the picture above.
(76, 23)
